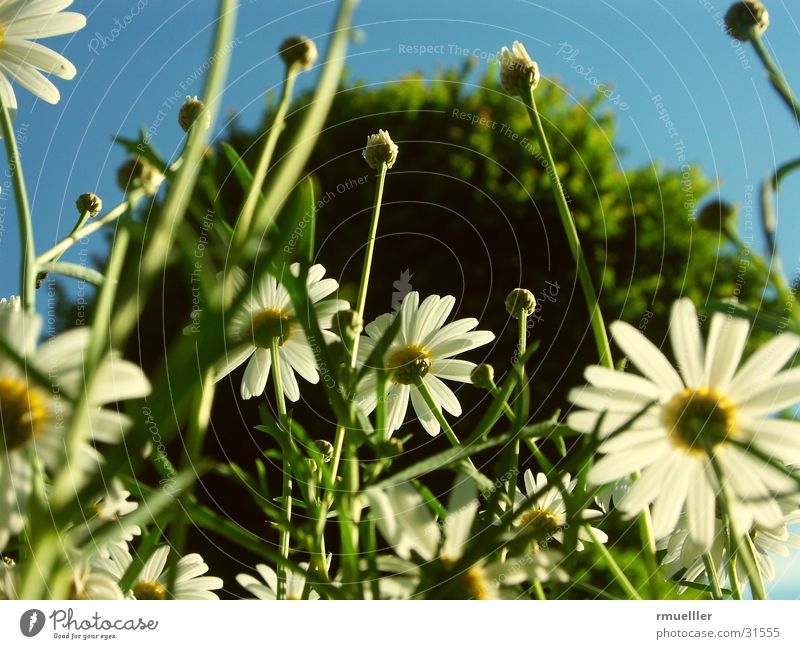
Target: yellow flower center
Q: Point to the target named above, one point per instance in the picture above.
(409, 363)
(149, 590)
(2, 34)
(699, 420)
(22, 412)
(539, 521)
(268, 324)
(474, 583)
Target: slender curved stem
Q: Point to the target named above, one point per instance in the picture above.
(713, 578)
(271, 141)
(286, 489)
(776, 78)
(27, 256)
(615, 568)
(584, 276)
(366, 269)
(78, 233)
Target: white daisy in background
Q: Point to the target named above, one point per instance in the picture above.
(112, 509)
(152, 580)
(694, 413)
(88, 582)
(407, 524)
(546, 518)
(423, 349)
(22, 60)
(13, 303)
(685, 556)
(268, 313)
(33, 416)
(268, 588)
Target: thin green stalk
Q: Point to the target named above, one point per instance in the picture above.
(27, 255)
(448, 431)
(198, 426)
(286, 489)
(81, 231)
(614, 567)
(585, 278)
(776, 78)
(361, 303)
(157, 247)
(76, 271)
(259, 175)
(522, 341)
(305, 136)
(713, 578)
(737, 548)
(770, 271)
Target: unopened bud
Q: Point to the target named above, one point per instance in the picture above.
(298, 50)
(89, 204)
(380, 150)
(325, 448)
(518, 71)
(718, 217)
(347, 324)
(746, 19)
(482, 376)
(139, 173)
(520, 302)
(193, 112)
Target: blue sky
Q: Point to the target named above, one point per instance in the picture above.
(137, 56)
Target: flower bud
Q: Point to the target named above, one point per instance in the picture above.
(298, 50)
(746, 19)
(518, 71)
(347, 324)
(482, 376)
(139, 173)
(390, 447)
(380, 150)
(193, 112)
(89, 204)
(325, 448)
(520, 302)
(718, 217)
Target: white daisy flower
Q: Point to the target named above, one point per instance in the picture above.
(684, 555)
(268, 588)
(112, 509)
(696, 412)
(21, 59)
(423, 349)
(546, 517)
(408, 525)
(13, 303)
(33, 416)
(268, 313)
(89, 582)
(152, 580)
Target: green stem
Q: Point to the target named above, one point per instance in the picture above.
(713, 578)
(286, 492)
(157, 248)
(260, 174)
(82, 231)
(616, 570)
(448, 431)
(76, 271)
(198, 426)
(584, 276)
(776, 78)
(737, 550)
(27, 250)
(522, 341)
(366, 269)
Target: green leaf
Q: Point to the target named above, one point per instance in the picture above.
(240, 169)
